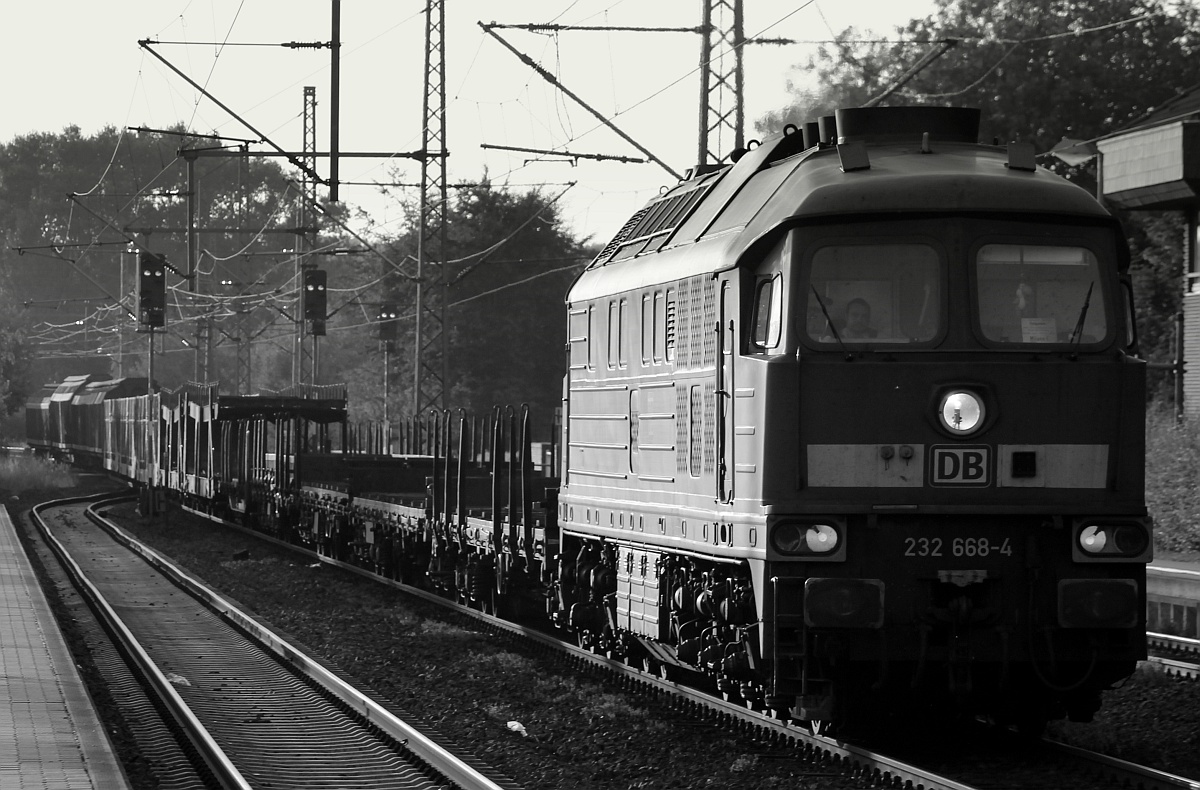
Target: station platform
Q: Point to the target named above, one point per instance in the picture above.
(50, 733)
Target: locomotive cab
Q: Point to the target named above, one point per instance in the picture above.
(964, 392)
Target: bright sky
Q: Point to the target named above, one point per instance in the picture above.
(78, 62)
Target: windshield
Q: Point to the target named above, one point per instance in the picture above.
(874, 293)
(1035, 294)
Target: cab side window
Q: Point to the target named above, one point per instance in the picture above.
(768, 313)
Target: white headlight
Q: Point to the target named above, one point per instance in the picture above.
(799, 539)
(821, 538)
(962, 412)
(1093, 539)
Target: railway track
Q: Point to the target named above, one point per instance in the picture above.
(1041, 764)
(1173, 600)
(1178, 656)
(256, 711)
(1172, 607)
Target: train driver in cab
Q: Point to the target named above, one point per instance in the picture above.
(858, 321)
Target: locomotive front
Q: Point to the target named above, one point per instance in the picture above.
(942, 350)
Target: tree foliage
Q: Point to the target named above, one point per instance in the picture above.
(509, 263)
(71, 206)
(1039, 70)
(1156, 239)
(16, 383)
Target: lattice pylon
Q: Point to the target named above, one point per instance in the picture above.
(303, 361)
(430, 341)
(722, 114)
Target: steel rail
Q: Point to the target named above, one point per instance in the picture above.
(1171, 645)
(1138, 776)
(214, 756)
(1175, 644)
(1180, 669)
(883, 767)
(887, 769)
(453, 767)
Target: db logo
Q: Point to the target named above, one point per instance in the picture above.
(960, 465)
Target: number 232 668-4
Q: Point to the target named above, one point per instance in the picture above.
(956, 547)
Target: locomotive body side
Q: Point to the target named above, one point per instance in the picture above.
(938, 506)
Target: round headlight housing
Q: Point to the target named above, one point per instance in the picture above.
(1113, 540)
(805, 538)
(962, 412)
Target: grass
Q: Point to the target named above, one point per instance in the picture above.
(22, 474)
(1173, 483)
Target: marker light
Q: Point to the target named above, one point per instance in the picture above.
(1112, 541)
(791, 537)
(961, 412)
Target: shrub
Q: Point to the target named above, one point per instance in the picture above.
(1172, 464)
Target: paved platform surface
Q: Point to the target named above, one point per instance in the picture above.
(50, 735)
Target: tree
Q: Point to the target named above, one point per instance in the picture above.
(15, 383)
(1156, 242)
(1040, 70)
(506, 307)
(508, 264)
(70, 207)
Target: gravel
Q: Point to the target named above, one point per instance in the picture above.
(1153, 720)
(522, 712)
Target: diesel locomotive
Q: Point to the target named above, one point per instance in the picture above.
(854, 423)
(858, 421)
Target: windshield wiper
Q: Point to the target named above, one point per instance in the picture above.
(1077, 334)
(829, 321)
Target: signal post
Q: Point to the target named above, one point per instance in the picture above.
(388, 332)
(152, 313)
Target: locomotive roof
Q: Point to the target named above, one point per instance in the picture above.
(718, 217)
